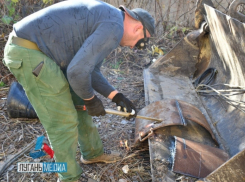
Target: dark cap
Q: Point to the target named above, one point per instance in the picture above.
(143, 16)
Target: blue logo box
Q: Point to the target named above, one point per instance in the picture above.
(54, 167)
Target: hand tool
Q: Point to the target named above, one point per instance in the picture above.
(120, 113)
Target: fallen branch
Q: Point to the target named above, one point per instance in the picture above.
(16, 156)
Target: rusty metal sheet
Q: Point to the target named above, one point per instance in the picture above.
(181, 60)
(163, 87)
(227, 45)
(226, 53)
(232, 170)
(195, 159)
(162, 143)
(167, 110)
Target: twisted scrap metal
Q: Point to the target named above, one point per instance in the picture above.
(224, 94)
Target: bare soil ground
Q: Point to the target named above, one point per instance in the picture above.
(124, 70)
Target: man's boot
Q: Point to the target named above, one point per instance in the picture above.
(107, 157)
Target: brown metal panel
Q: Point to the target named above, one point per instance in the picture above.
(232, 170)
(195, 159)
(181, 60)
(151, 87)
(167, 110)
(162, 143)
(228, 52)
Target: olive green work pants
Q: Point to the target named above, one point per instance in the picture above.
(54, 101)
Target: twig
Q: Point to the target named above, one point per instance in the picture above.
(129, 3)
(8, 163)
(29, 131)
(3, 148)
(127, 178)
(23, 178)
(4, 117)
(6, 76)
(102, 172)
(7, 134)
(115, 57)
(22, 131)
(34, 129)
(140, 177)
(185, 13)
(131, 155)
(133, 62)
(7, 176)
(220, 5)
(4, 88)
(27, 156)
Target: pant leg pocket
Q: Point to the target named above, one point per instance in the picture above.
(16, 64)
(51, 80)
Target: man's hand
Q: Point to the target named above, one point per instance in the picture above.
(124, 104)
(95, 106)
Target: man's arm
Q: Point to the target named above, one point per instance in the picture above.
(104, 39)
(100, 84)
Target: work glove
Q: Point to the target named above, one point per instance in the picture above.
(125, 105)
(95, 107)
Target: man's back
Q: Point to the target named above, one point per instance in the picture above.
(61, 29)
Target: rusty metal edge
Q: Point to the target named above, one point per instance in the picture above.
(223, 155)
(187, 115)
